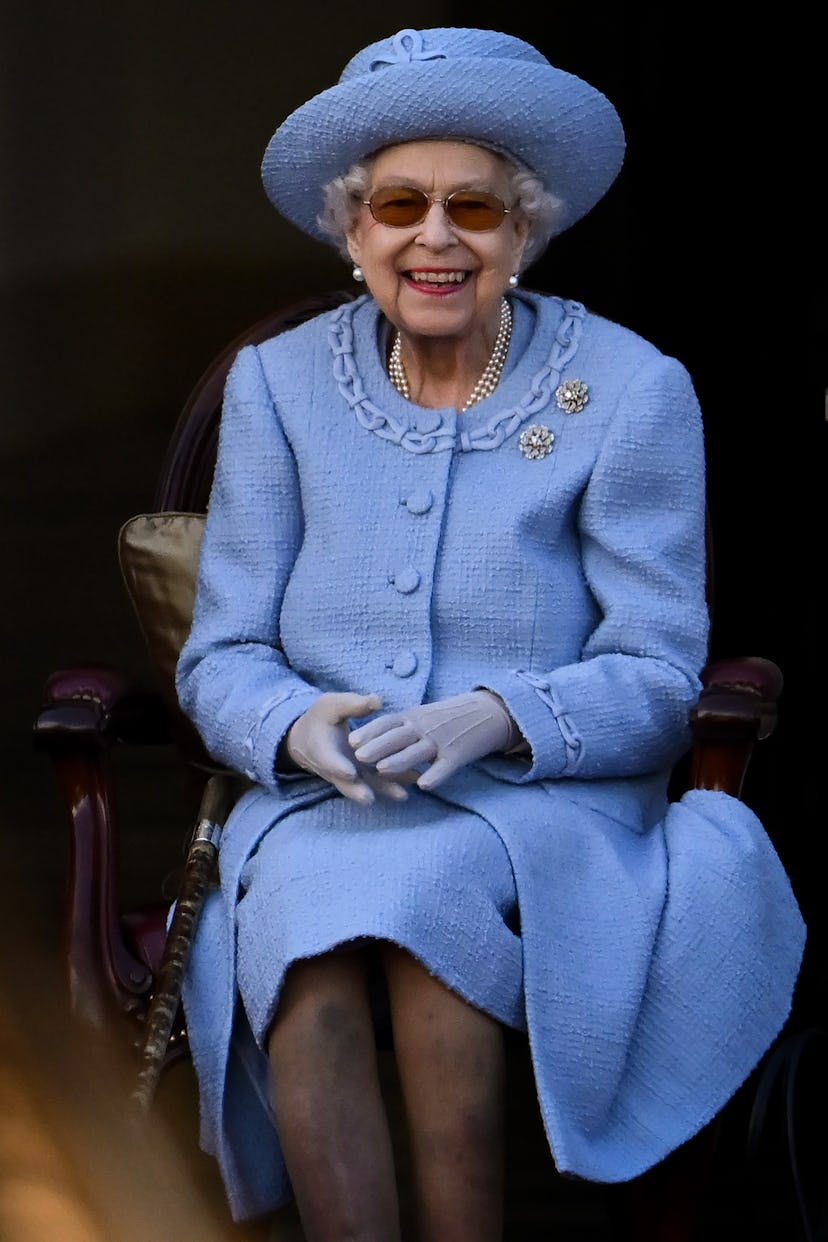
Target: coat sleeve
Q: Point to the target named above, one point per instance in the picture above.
(622, 709)
(232, 678)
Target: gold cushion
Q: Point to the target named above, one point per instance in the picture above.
(158, 554)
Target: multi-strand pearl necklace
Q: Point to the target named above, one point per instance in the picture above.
(493, 370)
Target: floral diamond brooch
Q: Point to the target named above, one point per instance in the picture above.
(571, 396)
(536, 441)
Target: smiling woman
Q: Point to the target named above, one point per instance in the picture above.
(450, 621)
(439, 279)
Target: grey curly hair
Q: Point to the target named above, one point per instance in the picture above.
(343, 197)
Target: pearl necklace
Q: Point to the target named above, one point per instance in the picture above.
(492, 372)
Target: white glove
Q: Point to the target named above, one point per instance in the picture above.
(318, 743)
(447, 734)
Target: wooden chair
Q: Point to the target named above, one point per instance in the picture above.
(92, 711)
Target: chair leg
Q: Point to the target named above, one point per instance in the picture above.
(665, 1204)
(105, 977)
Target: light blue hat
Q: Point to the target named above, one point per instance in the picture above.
(480, 85)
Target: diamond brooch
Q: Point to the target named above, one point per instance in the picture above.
(571, 396)
(536, 441)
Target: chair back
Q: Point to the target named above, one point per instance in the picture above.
(158, 551)
(187, 471)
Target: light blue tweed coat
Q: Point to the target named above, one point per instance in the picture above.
(357, 542)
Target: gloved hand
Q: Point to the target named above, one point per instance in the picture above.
(318, 743)
(447, 734)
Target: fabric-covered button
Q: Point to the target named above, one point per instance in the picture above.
(419, 501)
(405, 664)
(406, 581)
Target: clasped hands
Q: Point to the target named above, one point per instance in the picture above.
(387, 753)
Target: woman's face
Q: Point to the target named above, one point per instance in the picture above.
(434, 278)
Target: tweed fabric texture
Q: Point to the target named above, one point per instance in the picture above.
(448, 82)
(355, 541)
(453, 904)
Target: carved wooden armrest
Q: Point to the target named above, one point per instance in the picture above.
(93, 705)
(736, 709)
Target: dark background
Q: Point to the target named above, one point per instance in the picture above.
(137, 241)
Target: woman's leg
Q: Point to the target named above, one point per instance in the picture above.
(329, 1107)
(451, 1063)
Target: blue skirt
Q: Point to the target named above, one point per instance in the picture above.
(652, 965)
(431, 878)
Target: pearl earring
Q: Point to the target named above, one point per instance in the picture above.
(357, 273)
(513, 280)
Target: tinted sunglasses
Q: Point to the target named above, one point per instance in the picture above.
(401, 206)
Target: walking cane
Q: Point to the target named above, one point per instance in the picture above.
(219, 795)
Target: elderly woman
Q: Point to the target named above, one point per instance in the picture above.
(449, 623)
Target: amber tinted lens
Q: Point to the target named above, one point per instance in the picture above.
(399, 206)
(475, 210)
(403, 206)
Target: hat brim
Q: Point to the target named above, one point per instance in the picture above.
(559, 126)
